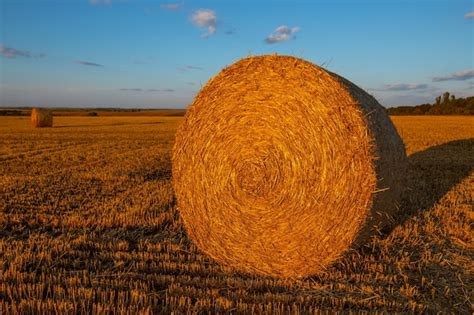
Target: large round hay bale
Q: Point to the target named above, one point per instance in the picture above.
(41, 118)
(281, 166)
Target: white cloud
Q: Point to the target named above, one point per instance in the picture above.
(457, 76)
(205, 18)
(469, 15)
(281, 34)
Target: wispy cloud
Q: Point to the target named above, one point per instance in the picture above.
(404, 99)
(11, 53)
(97, 2)
(193, 67)
(205, 18)
(188, 68)
(281, 34)
(231, 31)
(456, 76)
(131, 89)
(469, 15)
(403, 87)
(145, 90)
(171, 6)
(88, 63)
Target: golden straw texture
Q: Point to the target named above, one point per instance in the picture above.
(281, 166)
(41, 118)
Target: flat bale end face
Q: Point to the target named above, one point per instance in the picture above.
(275, 166)
(41, 118)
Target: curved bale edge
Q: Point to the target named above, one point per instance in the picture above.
(280, 167)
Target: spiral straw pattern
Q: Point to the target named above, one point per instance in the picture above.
(281, 166)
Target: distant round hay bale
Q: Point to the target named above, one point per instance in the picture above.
(281, 166)
(41, 118)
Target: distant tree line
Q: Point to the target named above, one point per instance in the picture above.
(12, 112)
(445, 104)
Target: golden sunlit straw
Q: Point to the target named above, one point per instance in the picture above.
(281, 166)
(41, 118)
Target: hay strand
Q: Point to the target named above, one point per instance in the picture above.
(281, 166)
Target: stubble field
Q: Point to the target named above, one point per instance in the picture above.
(88, 223)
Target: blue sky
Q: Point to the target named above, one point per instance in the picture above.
(144, 53)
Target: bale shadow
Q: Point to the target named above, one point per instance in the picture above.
(431, 174)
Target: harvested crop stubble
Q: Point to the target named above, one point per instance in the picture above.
(41, 118)
(281, 166)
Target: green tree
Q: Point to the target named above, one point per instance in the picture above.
(445, 98)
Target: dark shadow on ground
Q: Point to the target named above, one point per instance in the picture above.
(431, 174)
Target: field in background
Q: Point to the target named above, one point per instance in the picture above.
(94, 112)
(88, 223)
